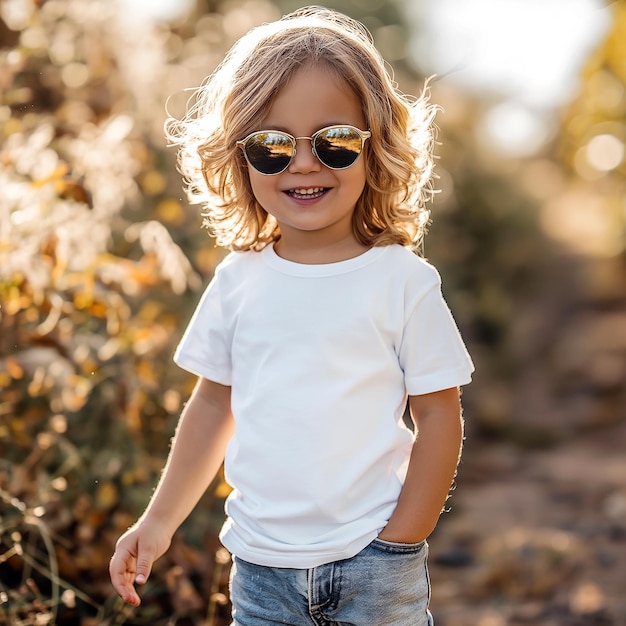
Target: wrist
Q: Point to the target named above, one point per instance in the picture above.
(160, 523)
(393, 538)
(401, 533)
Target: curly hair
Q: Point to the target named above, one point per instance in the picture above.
(234, 100)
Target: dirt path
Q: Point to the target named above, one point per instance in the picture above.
(535, 538)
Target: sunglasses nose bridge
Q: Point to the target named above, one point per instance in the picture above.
(295, 145)
(295, 150)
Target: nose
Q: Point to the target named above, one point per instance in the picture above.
(304, 161)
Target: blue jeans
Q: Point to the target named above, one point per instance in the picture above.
(386, 584)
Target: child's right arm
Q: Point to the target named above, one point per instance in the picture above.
(204, 430)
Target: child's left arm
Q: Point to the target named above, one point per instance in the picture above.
(432, 467)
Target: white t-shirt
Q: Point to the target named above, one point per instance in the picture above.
(320, 359)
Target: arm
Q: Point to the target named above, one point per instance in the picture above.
(204, 430)
(432, 466)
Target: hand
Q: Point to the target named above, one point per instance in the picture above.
(135, 552)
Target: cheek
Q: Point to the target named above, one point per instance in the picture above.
(256, 182)
(263, 187)
(358, 178)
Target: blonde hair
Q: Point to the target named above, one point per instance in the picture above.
(234, 100)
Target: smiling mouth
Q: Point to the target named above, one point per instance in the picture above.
(307, 194)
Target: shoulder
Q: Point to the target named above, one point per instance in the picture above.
(236, 263)
(412, 268)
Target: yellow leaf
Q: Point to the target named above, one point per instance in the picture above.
(153, 183)
(60, 171)
(171, 212)
(106, 496)
(14, 368)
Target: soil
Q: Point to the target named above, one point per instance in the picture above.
(535, 537)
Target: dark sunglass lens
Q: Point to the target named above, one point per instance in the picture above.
(269, 153)
(338, 147)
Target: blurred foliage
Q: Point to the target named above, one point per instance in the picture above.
(533, 251)
(91, 281)
(101, 262)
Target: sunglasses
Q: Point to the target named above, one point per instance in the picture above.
(270, 152)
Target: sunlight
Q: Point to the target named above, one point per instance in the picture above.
(605, 152)
(529, 50)
(527, 54)
(166, 10)
(514, 129)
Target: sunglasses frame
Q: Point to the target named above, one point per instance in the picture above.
(363, 134)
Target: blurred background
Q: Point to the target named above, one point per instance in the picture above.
(102, 262)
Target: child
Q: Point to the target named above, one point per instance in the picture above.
(312, 335)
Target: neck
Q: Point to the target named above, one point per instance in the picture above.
(312, 253)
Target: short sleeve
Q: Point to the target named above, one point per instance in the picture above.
(204, 349)
(432, 353)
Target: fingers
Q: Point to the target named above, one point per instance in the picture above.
(144, 566)
(129, 565)
(122, 572)
(135, 553)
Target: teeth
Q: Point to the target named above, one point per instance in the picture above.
(308, 192)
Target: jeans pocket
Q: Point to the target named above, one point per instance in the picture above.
(387, 584)
(395, 547)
